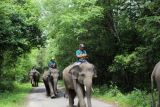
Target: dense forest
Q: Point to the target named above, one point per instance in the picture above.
(121, 37)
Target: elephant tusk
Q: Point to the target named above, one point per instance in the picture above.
(85, 88)
(92, 90)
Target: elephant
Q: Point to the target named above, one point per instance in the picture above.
(34, 76)
(155, 76)
(50, 79)
(78, 81)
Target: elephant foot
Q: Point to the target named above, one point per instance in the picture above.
(65, 96)
(53, 96)
(56, 94)
(81, 105)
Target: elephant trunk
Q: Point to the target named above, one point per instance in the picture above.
(32, 81)
(88, 91)
(55, 86)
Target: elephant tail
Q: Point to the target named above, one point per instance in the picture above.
(152, 90)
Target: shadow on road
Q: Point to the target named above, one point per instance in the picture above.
(38, 98)
(38, 90)
(43, 90)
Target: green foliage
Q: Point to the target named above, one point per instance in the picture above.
(26, 62)
(135, 98)
(19, 33)
(15, 98)
(138, 47)
(75, 22)
(6, 86)
(121, 37)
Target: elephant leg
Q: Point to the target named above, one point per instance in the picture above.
(32, 82)
(51, 87)
(66, 94)
(66, 91)
(71, 95)
(47, 87)
(37, 82)
(80, 96)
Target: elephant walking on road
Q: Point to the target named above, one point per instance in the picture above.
(156, 76)
(78, 81)
(34, 76)
(50, 79)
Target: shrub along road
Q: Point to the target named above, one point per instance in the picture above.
(38, 98)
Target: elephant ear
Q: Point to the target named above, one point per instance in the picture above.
(75, 71)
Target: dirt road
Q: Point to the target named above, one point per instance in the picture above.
(38, 98)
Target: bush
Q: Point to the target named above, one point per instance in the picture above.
(7, 86)
(136, 98)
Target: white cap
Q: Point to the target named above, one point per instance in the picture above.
(81, 45)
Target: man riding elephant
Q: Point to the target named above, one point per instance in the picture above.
(81, 55)
(78, 79)
(50, 78)
(52, 63)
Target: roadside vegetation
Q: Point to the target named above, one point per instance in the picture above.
(121, 36)
(111, 94)
(16, 97)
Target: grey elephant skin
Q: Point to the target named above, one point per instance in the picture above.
(34, 78)
(155, 76)
(50, 79)
(78, 81)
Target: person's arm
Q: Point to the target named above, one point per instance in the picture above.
(78, 54)
(53, 65)
(84, 55)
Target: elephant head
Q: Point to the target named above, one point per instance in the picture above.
(31, 77)
(83, 75)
